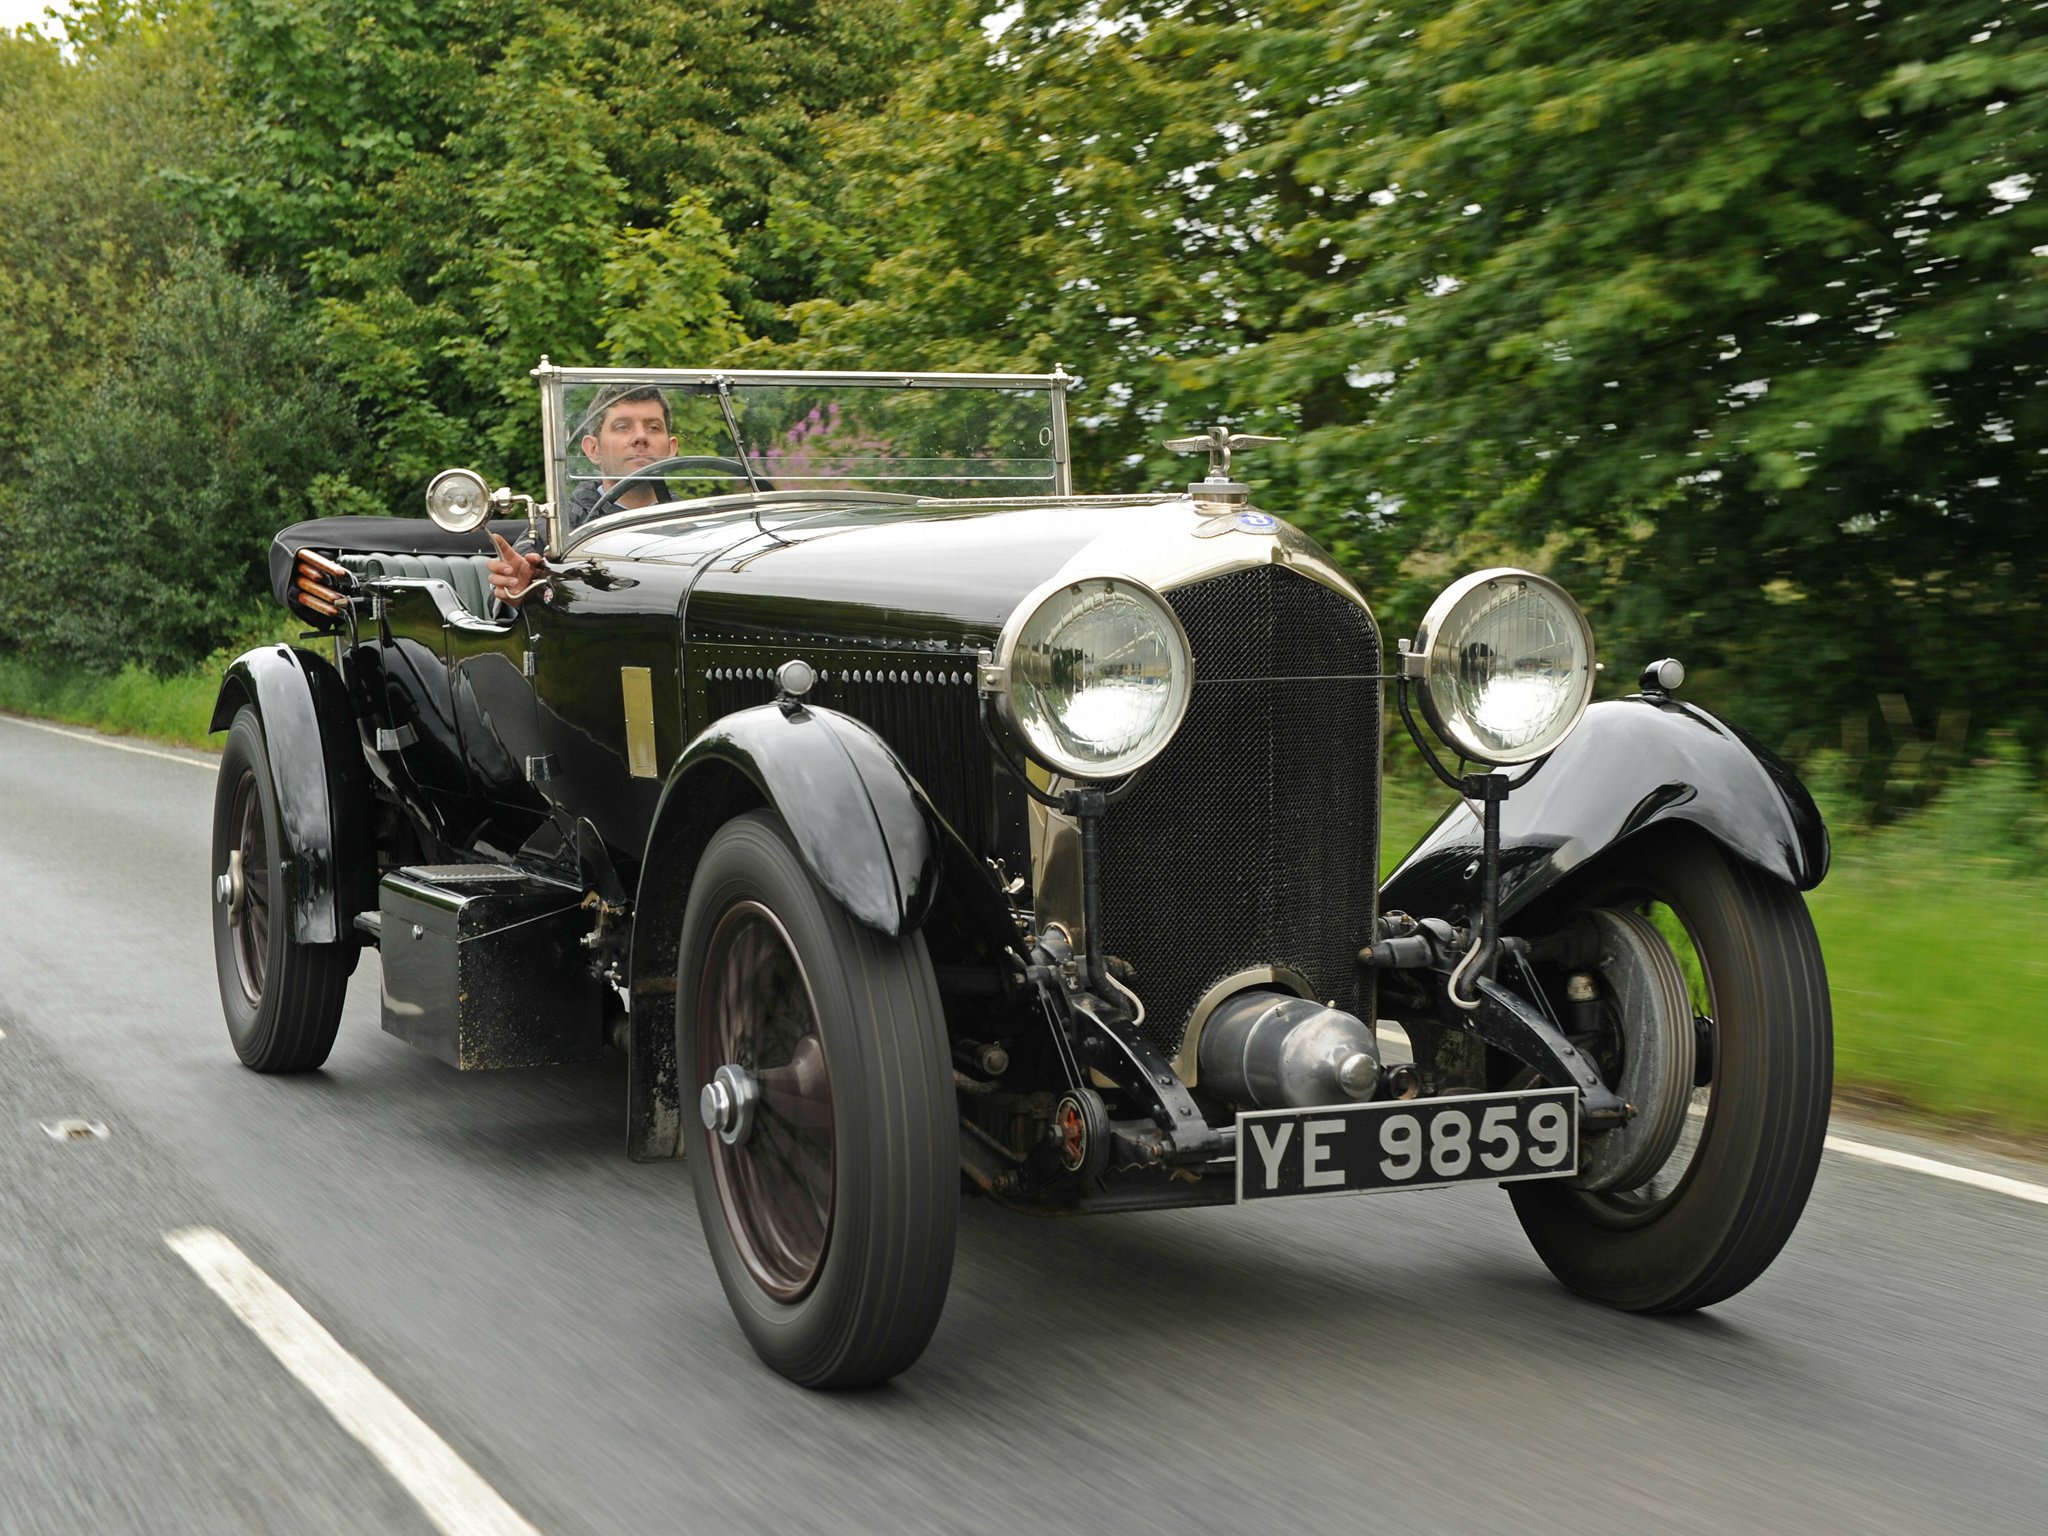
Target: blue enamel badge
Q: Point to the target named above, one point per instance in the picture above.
(1257, 522)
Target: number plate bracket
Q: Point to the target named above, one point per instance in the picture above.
(1355, 1149)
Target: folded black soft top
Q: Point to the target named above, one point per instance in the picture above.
(378, 535)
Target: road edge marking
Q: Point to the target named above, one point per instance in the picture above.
(93, 738)
(1998, 1183)
(447, 1488)
(1910, 1162)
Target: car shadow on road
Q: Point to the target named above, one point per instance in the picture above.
(1319, 1290)
(1406, 1291)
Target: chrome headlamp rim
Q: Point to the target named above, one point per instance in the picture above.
(1003, 697)
(1450, 730)
(438, 490)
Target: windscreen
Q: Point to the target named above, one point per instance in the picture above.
(627, 444)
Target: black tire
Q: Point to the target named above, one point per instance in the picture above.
(1718, 1215)
(282, 998)
(832, 1222)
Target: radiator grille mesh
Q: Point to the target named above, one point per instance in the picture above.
(1254, 839)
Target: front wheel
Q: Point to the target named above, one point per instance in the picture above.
(1713, 1214)
(823, 1133)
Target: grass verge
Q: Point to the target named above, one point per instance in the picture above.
(132, 702)
(1931, 927)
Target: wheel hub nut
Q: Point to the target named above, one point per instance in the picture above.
(230, 890)
(727, 1104)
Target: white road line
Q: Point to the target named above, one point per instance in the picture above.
(1998, 1183)
(97, 740)
(458, 1501)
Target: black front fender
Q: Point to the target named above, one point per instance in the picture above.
(1632, 764)
(318, 774)
(862, 827)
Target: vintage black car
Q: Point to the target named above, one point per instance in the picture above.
(915, 826)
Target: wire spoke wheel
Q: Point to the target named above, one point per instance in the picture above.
(775, 1185)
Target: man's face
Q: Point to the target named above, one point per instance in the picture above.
(633, 434)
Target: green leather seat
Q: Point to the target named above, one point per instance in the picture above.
(469, 575)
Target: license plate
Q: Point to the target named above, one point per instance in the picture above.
(1355, 1149)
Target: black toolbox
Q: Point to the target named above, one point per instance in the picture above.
(485, 966)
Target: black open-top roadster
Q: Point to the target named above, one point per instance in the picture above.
(913, 824)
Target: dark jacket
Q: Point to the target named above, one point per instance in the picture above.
(582, 502)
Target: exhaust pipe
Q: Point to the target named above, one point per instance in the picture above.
(1268, 1050)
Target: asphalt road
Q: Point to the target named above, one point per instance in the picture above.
(480, 1242)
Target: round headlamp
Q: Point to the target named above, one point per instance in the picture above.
(459, 500)
(1095, 676)
(1506, 665)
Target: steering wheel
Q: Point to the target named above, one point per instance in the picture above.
(648, 473)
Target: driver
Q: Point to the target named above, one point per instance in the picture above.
(630, 429)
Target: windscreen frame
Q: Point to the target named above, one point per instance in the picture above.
(719, 382)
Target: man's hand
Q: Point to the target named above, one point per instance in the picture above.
(512, 573)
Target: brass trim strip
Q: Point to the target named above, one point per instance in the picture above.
(637, 685)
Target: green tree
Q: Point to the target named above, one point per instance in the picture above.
(461, 187)
(142, 524)
(1733, 313)
(1065, 184)
(86, 231)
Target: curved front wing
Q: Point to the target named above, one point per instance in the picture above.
(1632, 764)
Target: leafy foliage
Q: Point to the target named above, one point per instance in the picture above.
(1067, 189)
(84, 233)
(464, 186)
(1733, 312)
(143, 523)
